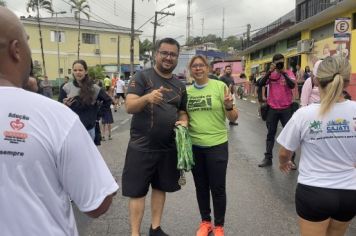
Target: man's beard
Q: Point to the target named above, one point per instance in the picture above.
(166, 70)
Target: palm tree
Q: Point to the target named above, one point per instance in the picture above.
(35, 6)
(79, 6)
(2, 3)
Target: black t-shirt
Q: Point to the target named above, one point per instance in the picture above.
(228, 80)
(152, 129)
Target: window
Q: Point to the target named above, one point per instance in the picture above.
(69, 71)
(323, 32)
(354, 20)
(255, 55)
(269, 50)
(90, 38)
(293, 41)
(57, 36)
(113, 40)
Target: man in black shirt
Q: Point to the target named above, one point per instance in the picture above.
(157, 101)
(229, 81)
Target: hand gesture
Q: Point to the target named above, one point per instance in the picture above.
(68, 101)
(182, 123)
(228, 100)
(286, 167)
(156, 96)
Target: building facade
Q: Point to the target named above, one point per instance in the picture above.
(100, 44)
(305, 38)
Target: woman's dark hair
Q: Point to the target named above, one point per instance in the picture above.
(86, 94)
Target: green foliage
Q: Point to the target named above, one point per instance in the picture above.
(35, 5)
(145, 46)
(96, 72)
(80, 6)
(2, 3)
(223, 45)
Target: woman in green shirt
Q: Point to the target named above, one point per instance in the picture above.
(209, 104)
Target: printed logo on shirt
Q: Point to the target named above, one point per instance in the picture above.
(354, 119)
(315, 127)
(15, 136)
(200, 103)
(338, 126)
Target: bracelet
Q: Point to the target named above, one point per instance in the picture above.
(229, 109)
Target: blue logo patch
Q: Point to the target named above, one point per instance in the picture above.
(338, 126)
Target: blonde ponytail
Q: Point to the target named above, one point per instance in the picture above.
(330, 94)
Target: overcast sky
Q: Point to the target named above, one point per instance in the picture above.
(238, 13)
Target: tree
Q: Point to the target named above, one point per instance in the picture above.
(79, 6)
(35, 6)
(2, 3)
(96, 72)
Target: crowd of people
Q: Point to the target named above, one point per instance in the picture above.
(47, 167)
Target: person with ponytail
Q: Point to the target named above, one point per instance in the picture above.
(326, 132)
(84, 97)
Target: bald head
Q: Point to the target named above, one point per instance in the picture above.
(15, 54)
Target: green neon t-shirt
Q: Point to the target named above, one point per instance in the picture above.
(206, 112)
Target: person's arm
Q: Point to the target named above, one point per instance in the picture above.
(86, 178)
(306, 92)
(62, 95)
(103, 208)
(285, 157)
(290, 82)
(263, 81)
(135, 103)
(231, 112)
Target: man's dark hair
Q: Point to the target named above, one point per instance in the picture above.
(168, 41)
(277, 57)
(227, 66)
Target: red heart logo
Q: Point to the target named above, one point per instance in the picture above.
(17, 124)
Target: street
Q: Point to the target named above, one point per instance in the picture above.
(260, 200)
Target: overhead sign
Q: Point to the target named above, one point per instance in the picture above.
(342, 30)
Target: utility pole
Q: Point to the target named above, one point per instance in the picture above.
(223, 25)
(202, 27)
(118, 56)
(248, 34)
(189, 18)
(57, 37)
(155, 23)
(132, 38)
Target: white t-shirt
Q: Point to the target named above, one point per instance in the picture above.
(46, 157)
(120, 86)
(328, 145)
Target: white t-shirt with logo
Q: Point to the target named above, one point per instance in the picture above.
(120, 86)
(46, 157)
(328, 145)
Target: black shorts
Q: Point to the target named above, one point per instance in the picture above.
(142, 169)
(318, 204)
(118, 95)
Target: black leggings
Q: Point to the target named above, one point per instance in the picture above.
(209, 174)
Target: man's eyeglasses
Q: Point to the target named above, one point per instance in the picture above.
(165, 54)
(196, 66)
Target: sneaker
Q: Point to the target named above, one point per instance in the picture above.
(205, 228)
(110, 138)
(265, 162)
(218, 231)
(103, 138)
(157, 232)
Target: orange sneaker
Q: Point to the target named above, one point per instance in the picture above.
(218, 231)
(205, 228)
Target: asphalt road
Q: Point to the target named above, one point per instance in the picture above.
(260, 200)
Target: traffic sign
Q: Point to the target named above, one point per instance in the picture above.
(342, 30)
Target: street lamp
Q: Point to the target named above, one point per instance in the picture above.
(57, 39)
